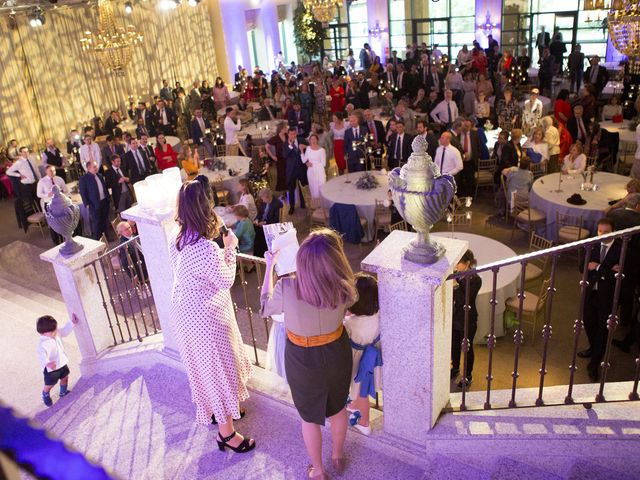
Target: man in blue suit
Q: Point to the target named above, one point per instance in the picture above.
(95, 197)
(356, 133)
(296, 170)
(199, 126)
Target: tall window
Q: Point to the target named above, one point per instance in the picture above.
(336, 39)
(398, 39)
(358, 25)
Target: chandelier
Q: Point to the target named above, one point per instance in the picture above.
(113, 42)
(323, 10)
(624, 29)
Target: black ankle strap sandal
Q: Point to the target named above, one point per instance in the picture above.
(247, 444)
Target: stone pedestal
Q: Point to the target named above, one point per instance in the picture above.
(81, 294)
(415, 325)
(154, 234)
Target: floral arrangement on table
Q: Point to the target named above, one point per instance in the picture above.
(216, 164)
(367, 181)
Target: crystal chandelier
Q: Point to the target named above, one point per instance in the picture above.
(624, 29)
(323, 10)
(113, 42)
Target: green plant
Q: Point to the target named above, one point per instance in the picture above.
(308, 32)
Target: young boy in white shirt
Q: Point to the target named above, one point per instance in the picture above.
(53, 359)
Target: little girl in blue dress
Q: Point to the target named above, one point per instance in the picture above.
(363, 326)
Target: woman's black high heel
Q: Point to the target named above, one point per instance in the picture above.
(247, 444)
(215, 422)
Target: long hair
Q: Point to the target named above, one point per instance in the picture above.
(324, 277)
(195, 216)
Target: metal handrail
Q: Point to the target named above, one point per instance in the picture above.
(558, 249)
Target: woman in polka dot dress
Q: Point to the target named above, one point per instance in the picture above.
(206, 330)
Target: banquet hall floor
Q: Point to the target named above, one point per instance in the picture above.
(563, 316)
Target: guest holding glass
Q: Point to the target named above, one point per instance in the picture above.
(166, 156)
(205, 326)
(318, 358)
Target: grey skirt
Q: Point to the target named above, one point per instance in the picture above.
(319, 378)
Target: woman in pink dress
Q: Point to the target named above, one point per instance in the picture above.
(220, 94)
(205, 324)
(165, 154)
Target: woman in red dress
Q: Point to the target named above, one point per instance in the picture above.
(479, 61)
(337, 128)
(165, 154)
(337, 96)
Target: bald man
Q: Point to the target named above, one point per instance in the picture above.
(448, 158)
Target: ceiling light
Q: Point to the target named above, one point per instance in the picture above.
(128, 8)
(193, 3)
(169, 4)
(37, 18)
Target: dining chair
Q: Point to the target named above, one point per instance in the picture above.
(536, 267)
(381, 219)
(221, 150)
(484, 174)
(318, 214)
(37, 218)
(283, 215)
(569, 228)
(402, 225)
(525, 217)
(221, 193)
(538, 169)
(532, 306)
(459, 219)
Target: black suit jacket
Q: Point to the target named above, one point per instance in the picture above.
(107, 152)
(353, 156)
(129, 258)
(148, 121)
(197, 135)
(263, 114)
(110, 126)
(151, 156)
(89, 191)
(601, 79)
(305, 121)
(392, 161)
(171, 117)
(379, 130)
(293, 158)
(111, 178)
(135, 175)
(572, 126)
(603, 276)
(272, 213)
(431, 84)
(508, 158)
(412, 84)
(339, 71)
(474, 143)
(459, 294)
(362, 96)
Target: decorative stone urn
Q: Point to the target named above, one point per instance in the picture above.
(421, 195)
(63, 217)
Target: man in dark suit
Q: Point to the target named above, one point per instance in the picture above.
(147, 118)
(505, 154)
(366, 57)
(470, 143)
(339, 70)
(95, 197)
(354, 134)
(596, 75)
(149, 152)
(111, 148)
(376, 133)
(399, 147)
(299, 120)
(165, 119)
(435, 82)
(577, 125)
(393, 60)
(268, 213)
(576, 68)
(198, 131)
(543, 40)
(296, 170)
(119, 184)
(238, 79)
(431, 139)
(111, 123)
(267, 112)
(388, 78)
(131, 257)
(602, 266)
(136, 162)
(362, 96)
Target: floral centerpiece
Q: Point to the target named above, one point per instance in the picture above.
(216, 164)
(367, 181)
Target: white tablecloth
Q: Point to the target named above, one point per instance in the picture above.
(337, 190)
(266, 129)
(546, 103)
(228, 218)
(612, 88)
(544, 197)
(487, 250)
(626, 135)
(237, 163)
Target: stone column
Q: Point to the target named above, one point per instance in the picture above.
(81, 294)
(154, 234)
(415, 327)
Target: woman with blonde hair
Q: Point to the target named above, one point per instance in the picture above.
(204, 321)
(318, 359)
(189, 161)
(576, 161)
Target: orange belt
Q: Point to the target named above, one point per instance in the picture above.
(316, 340)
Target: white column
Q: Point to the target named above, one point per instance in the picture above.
(81, 294)
(154, 239)
(415, 327)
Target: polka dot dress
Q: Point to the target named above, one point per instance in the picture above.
(206, 330)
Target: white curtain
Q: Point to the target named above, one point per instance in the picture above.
(50, 85)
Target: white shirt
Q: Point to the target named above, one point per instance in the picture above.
(452, 161)
(90, 152)
(440, 114)
(21, 168)
(45, 185)
(579, 164)
(247, 200)
(163, 116)
(230, 129)
(52, 350)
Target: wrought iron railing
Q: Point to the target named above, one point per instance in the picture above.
(584, 247)
(127, 299)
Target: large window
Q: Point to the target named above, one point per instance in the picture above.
(398, 28)
(336, 39)
(358, 25)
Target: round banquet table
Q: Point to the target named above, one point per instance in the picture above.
(612, 88)
(487, 250)
(543, 197)
(238, 163)
(173, 141)
(622, 129)
(343, 189)
(234, 97)
(265, 129)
